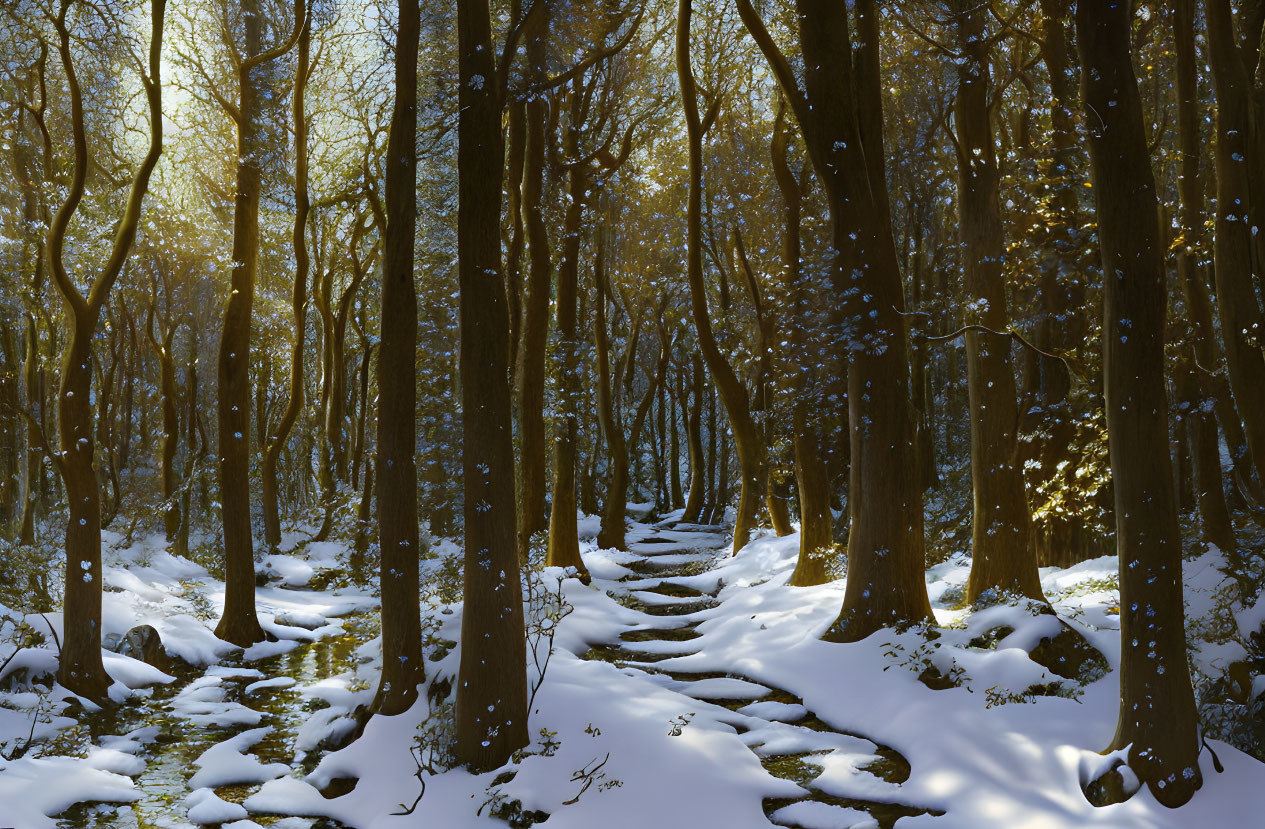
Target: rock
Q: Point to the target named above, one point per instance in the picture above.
(143, 642)
(1070, 656)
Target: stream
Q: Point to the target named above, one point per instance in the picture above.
(173, 738)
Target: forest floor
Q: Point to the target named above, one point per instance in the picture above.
(686, 688)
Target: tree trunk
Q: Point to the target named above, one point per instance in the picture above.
(816, 524)
(492, 693)
(611, 534)
(240, 624)
(403, 669)
(529, 376)
(1157, 720)
(80, 667)
(1002, 555)
(747, 439)
(885, 539)
(275, 443)
(171, 431)
(694, 440)
(564, 541)
(674, 456)
(1198, 396)
(1233, 52)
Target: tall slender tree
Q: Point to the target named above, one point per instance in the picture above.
(492, 679)
(1157, 722)
(239, 623)
(398, 539)
(840, 114)
(81, 669)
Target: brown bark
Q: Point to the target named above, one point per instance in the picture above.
(1198, 397)
(816, 527)
(611, 534)
(529, 375)
(81, 669)
(885, 539)
(674, 451)
(564, 541)
(694, 439)
(239, 624)
(750, 447)
(1002, 555)
(1157, 720)
(171, 426)
(276, 442)
(403, 669)
(1234, 50)
(492, 691)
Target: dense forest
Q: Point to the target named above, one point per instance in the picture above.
(632, 412)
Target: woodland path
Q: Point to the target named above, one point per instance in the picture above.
(775, 724)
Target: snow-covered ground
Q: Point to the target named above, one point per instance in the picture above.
(688, 688)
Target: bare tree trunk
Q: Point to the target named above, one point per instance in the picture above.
(751, 450)
(816, 539)
(403, 669)
(1157, 720)
(171, 427)
(611, 534)
(837, 111)
(81, 669)
(1199, 397)
(1002, 555)
(492, 694)
(564, 541)
(239, 624)
(529, 377)
(694, 438)
(1234, 50)
(276, 442)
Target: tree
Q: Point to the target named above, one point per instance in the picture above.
(1002, 555)
(239, 623)
(276, 441)
(752, 458)
(839, 111)
(1235, 45)
(492, 683)
(1157, 722)
(81, 669)
(402, 669)
(816, 522)
(1198, 391)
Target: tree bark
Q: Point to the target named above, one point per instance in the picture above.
(564, 541)
(239, 624)
(1157, 720)
(1002, 555)
(885, 539)
(1233, 51)
(80, 669)
(529, 376)
(747, 439)
(402, 666)
(816, 524)
(1198, 396)
(492, 691)
(611, 534)
(694, 439)
(171, 427)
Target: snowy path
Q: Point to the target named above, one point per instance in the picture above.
(791, 741)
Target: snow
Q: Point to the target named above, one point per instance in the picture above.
(660, 747)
